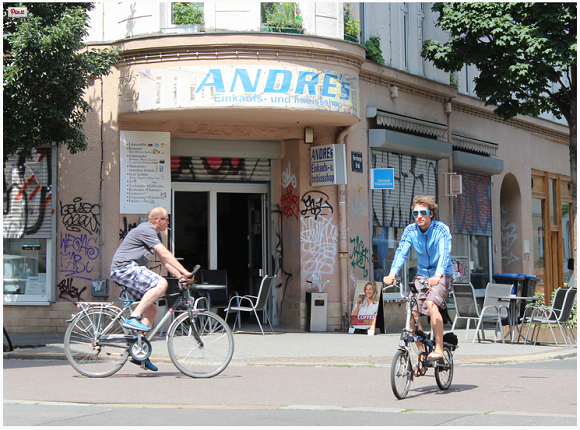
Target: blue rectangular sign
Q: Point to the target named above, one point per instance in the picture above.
(382, 179)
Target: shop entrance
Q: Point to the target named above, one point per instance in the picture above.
(222, 226)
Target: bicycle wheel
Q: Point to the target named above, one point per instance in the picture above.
(444, 372)
(7, 342)
(401, 374)
(87, 353)
(205, 359)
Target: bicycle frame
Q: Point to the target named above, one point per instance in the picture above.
(407, 337)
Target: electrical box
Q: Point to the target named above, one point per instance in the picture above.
(100, 288)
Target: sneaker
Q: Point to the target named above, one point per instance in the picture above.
(148, 364)
(135, 325)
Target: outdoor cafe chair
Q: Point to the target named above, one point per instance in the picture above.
(466, 306)
(493, 309)
(253, 304)
(557, 314)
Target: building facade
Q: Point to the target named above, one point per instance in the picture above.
(225, 122)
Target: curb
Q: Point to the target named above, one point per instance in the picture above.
(377, 362)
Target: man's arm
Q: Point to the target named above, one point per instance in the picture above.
(172, 265)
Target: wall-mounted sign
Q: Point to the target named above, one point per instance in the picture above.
(382, 179)
(245, 86)
(357, 161)
(145, 171)
(328, 165)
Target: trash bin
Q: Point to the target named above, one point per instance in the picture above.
(516, 279)
(316, 311)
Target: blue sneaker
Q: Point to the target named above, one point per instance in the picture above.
(135, 325)
(148, 364)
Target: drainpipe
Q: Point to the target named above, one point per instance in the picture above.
(342, 235)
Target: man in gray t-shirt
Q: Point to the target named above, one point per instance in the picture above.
(129, 268)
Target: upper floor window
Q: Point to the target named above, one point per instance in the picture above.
(184, 13)
(281, 17)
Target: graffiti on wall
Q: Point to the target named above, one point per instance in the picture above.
(381, 244)
(412, 176)
(472, 209)
(68, 291)
(315, 204)
(78, 253)
(319, 243)
(360, 255)
(219, 168)
(79, 215)
(508, 238)
(289, 201)
(127, 227)
(27, 194)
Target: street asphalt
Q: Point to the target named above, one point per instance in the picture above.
(288, 347)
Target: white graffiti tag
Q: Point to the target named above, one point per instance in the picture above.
(508, 237)
(319, 241)
(288, 178)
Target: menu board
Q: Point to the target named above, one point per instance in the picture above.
(145, 158)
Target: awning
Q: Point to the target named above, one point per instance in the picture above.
(475, 145)
(409, 144)
(407, 123)
(477, 163)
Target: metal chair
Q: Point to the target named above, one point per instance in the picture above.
(466, 306)
(557, 314)
(254, 303)
(218, 299)
(492, 309)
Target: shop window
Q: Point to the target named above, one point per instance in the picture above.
(27, 228)
(538, 231)
(567, 241)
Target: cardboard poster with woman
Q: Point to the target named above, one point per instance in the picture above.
(367, 298)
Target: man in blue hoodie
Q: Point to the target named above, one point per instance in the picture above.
(432, 242)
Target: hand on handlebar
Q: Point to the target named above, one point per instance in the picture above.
(388, 280)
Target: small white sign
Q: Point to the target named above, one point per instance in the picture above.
(145, 171)
(17, 12)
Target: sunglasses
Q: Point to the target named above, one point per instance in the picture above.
(422, 212)
(166, 219)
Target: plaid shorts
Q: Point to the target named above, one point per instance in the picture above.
(137, 279)
(436, 294)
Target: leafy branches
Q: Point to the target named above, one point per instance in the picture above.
(46, 71)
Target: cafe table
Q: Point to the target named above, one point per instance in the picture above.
(513, 313)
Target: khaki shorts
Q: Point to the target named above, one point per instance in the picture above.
(436, 294)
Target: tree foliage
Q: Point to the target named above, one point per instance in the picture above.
(526, 54)
(46, 72)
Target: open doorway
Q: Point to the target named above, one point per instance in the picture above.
(222, 228)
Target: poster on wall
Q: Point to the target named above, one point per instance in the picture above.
(145, 180)
(367, 307)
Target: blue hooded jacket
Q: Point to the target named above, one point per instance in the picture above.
(433, 249)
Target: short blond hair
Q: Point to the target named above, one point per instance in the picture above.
(155, 213)
(428, 201)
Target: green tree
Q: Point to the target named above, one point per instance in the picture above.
(46, 72)
(526, 54)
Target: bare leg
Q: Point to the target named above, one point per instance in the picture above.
(147, 306)
(436, 325)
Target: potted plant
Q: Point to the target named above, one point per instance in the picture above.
(374, 52)
(282, 18)
(188, 17)
(351, 25)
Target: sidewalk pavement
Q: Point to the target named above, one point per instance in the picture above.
(288, 347)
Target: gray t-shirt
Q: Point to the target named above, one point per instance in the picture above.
(137, 246)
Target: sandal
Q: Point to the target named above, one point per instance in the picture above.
(416, 370)
(436, 356)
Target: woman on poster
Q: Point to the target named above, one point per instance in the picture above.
(367, 304)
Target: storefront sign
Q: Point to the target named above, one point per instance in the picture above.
(250, 86)
(357, 161)
(382, 179)
(328, 165)
(145, 171)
